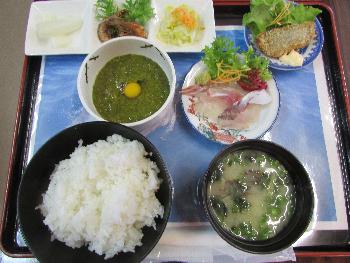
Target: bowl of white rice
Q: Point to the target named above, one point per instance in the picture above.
(95, 192)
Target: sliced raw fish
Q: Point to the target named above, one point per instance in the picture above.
(243, 120)
(211, 107)
(232, 95)
(228, 106)
(260, 97)
(193, 90)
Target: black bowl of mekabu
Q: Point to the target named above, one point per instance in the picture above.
(257, 196)
(95, 192)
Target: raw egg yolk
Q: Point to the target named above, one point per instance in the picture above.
(132, 90)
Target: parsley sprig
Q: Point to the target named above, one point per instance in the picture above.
(105, 9)
(139, 11)
(225, 64)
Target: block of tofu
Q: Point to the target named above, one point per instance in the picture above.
(279, 41)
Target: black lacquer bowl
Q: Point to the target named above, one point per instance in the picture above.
(35, 182)
(304, 205)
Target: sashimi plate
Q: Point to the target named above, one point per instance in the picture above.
(309, 53)
(213, 130)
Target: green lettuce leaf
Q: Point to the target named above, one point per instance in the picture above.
(263, 13)
(258, 19)
(300, 14)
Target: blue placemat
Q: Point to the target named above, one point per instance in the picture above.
(187, 154)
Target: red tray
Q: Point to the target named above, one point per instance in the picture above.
(226, 13)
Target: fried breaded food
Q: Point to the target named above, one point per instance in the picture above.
(279, 41)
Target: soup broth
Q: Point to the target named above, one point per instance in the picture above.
(251, 195)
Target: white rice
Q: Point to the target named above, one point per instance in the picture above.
(102, 196)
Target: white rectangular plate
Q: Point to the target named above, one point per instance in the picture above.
(40, 11)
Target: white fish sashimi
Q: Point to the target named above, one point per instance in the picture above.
(216, 100)
(58, 26)
(228, 106)
(231, 92)
(257, 97)
(260, 97)
(241, 120)
(211, 107)
(193, 90)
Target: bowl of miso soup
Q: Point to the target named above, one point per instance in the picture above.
(127, 80)
(257, 196)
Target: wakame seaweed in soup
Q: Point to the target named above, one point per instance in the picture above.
(251, 195)
(111, 100)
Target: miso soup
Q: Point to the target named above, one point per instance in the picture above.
(251, 195)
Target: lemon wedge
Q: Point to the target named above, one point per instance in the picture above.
(132, 90)
(293, 59)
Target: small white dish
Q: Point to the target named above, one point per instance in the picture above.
(120, 46)
(211, 131)
(42, 11)
(204, 9)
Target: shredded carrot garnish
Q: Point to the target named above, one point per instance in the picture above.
(226, 74)
(185, 17)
